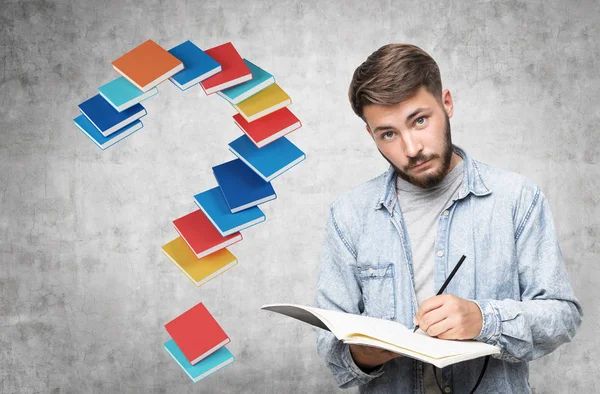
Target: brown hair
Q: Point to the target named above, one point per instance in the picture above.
(392, 74)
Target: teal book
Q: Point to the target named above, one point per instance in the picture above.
(238, 93)
(103, 142)
(213, 204)
(204, 367)
(122, 94)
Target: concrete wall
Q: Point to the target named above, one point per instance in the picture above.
(84, 287)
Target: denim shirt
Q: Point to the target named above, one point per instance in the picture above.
(514, 272)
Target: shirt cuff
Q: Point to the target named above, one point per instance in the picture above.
(490, 327)
(360, 375)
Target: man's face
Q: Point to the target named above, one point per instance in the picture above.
(414, 136)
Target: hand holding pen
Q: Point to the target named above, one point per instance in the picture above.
(447, 316)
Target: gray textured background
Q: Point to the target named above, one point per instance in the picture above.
(84, 288)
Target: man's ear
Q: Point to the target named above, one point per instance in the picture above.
(369, 131)
(448, 102)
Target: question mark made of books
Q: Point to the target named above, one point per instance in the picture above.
(262, 152)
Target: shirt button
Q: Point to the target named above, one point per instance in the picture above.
(447, 389)
(446, 213)
(440, 253)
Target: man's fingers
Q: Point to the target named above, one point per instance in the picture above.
(432, 317)
(439, 328)
(429, 305)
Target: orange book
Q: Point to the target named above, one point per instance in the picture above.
(147, 65)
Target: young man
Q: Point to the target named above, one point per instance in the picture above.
(391, 242)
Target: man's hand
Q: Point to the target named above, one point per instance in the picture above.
(449, 317)
(367, 357)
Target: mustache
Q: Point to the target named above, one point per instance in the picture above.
(415, 161)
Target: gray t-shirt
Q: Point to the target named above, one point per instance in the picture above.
(421, 209)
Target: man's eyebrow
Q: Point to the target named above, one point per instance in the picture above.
(416, 112)
(408, 118)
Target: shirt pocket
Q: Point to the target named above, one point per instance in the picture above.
(379, 290)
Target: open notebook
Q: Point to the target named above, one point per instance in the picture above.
(386, 334)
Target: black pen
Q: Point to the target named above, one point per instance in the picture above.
(448, 279)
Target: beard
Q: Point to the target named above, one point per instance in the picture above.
(428, 180)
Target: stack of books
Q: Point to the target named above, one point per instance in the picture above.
(197, 343)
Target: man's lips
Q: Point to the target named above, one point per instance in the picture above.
(420, 165)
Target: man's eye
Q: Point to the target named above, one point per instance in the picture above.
(387, 135)
(420, 121)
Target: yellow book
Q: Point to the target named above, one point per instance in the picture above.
(198, 270)
(268, 100)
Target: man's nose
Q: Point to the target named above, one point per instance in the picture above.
(412, 145)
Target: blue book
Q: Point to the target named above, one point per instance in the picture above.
(103, 142)
(204, 367)
(238, 93)
(107, 119)
(197, 65)
(122, 94)
(214, 206)
(271, 160)
(242, 187)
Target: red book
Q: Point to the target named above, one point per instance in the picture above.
(270, 127)
(197, 333)
(233, 69)
(201, 235)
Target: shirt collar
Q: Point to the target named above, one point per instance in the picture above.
(472, 182)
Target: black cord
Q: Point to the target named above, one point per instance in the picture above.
(485, 364)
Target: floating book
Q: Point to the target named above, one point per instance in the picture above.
(270, 127)
(386, 334)
(268, 100)
(214, 206)
(234, 69)
(260, 80)
(122, 94)
(198, 270)
(201, 235)
(103, 142)
(209, 365)
(147, 65)
(197, 333)
(270, 161)
(242, 187)
(107, 119)
(197, 65)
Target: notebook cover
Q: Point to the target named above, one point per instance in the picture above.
(103, 142)
(200, 234)
(122, 94)
(202, 369)
(197, 65)
(269, 161)
(234, 70)
(197, 333)
(215, 207)
(105, 117)
(260, 80)
(263, 102)
(198, 270)
(147, 65)
(264, 130)
(242, 187)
